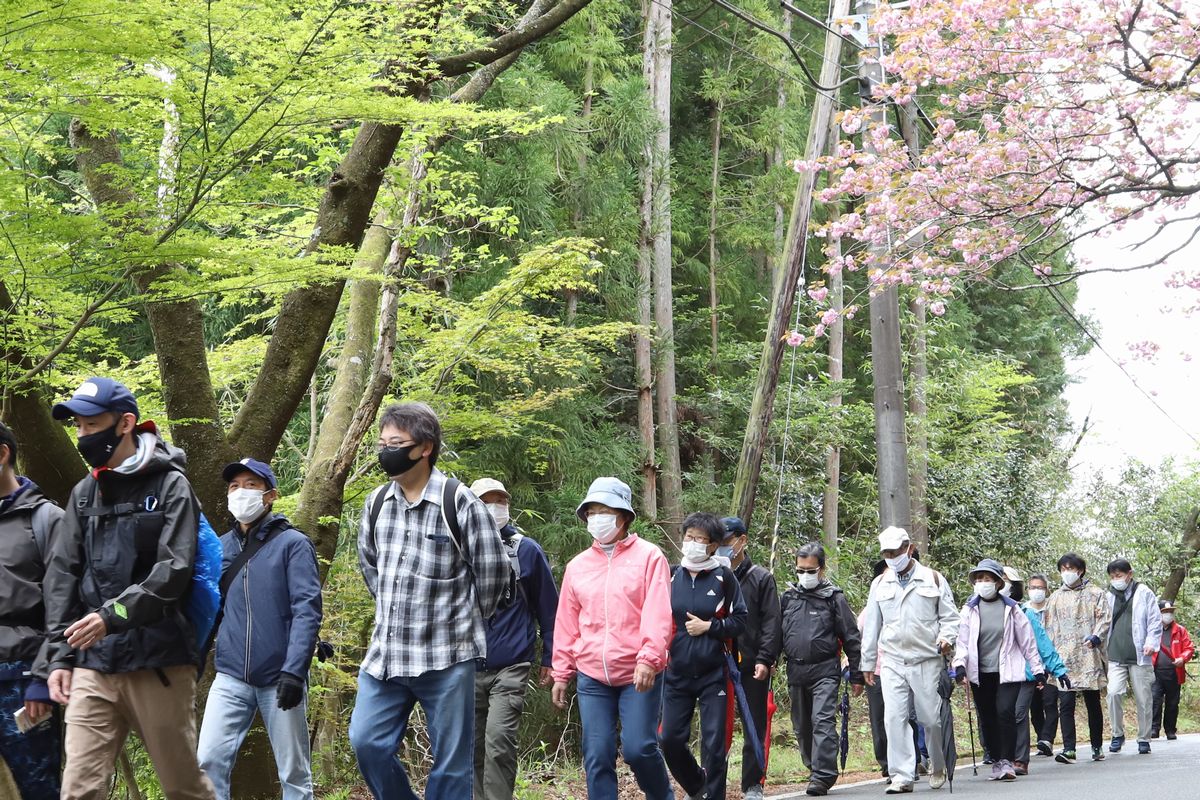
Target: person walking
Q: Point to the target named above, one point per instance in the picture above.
(709, 614)
(611, 634)
(1014, 588)
(433, 560)
(269, 625)
(1077, 619)
(758, 645)
(1043, 708)
(29, 525)
(995, 644)
(1169, 673)
(1134, 637)
(503, 678)
(818, 628)
(911, 614)
(119, 652)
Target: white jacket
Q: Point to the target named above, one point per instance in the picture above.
(1147, 621)
(908, 621)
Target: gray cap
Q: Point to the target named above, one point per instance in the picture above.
(611, 492)
(989, 565)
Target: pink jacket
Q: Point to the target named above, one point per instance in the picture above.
(1017, 646)
(613, 613)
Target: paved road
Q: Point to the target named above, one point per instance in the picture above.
(1171, 772)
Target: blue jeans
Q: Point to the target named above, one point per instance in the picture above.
(600, 707)
(380, 719)
(227, 717)
(33, 758)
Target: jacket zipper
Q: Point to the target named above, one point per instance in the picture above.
(604, 649)
(249, 616)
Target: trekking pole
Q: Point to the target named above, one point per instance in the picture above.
(971, 728)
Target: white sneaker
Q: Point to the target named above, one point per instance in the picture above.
(753, 793)
(937, 780)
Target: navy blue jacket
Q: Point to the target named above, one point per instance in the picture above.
(273, 609)
(512, 632)
(714, 595)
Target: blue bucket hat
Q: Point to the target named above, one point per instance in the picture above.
(612, 492)
(990, 566)
(259, 468)
(96, 396)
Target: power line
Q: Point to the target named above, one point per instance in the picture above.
(1054, 293)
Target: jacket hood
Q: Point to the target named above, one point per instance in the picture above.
(161, 457)
(1008, 601)
(28, 497)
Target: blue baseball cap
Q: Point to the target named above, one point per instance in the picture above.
(611, 492)
(259, 468)
(97, 396)
(733, 526)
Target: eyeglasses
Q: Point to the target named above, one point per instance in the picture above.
(393, 445)
(804, 571)
(687, 537)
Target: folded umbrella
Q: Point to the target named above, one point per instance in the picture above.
(844, 708)
(949, 751)
(748, 730)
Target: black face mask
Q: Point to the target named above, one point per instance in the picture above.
(397, 462)
(97, 448)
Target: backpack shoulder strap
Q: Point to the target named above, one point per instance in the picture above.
(377, 508)
(450, 511)
(41, 528)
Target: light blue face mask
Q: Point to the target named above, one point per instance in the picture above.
(725, 552)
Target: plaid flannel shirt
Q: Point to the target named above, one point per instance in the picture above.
(426, 614)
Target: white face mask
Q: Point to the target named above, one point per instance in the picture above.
(1120, 584)
(1168, 619)
(1007, 590)
(602, 527)
(499, 512)
(985, 589)
(807, 580)
(695, 552)
(1037, 596)
(899, 563)
(246, 505)
(1069, 577)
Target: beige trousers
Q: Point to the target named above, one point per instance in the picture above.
(102, 711)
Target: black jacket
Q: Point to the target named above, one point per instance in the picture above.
(132, 565)
(760, 642)
(818, 626)
(713, 595)
(22, 567)
(272, 612)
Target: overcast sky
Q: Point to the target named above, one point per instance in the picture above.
(1125, 309)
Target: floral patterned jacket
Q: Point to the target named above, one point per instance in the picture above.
(1072, 615)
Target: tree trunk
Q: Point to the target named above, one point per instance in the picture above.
(642, 350)
(656, 68)
(833, 455)
(783, 291)
(891, 447)
(781, 97)
(714, 198)
(1189, 548)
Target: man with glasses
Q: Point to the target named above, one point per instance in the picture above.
(433, 559)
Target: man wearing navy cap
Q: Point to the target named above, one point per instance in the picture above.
(264, 644)
(119, 651)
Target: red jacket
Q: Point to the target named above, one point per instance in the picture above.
(1181, 647)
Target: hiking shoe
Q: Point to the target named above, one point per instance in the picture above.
(1045, 748)
(1021, 767)
(1116, 744)
(899, 788)
(1143, 748)
(997, 771)
(1008, 771)
(753, 793)
(816, 789)
(923, 766)
(937, 780)
(987, 758)
(1065, 757)
(1097, 754)
(1153, 734)
(1171, 737)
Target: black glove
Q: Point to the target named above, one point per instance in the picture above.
(1064, 681)
(1093, 640)
(290, 691)
(960, 673)
(1040, 679)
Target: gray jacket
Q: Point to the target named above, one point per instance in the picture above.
(22, 567)
(1147, 620)
(907, 621)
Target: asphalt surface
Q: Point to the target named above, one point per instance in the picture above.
(1170, 772)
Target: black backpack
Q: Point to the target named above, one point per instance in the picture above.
(450, 517)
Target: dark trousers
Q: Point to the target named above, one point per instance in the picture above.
(1025, 702)
(996, 703)
(814, 719)
(879, 733)
(1043, 713)
(33, 758)
(756, 697)
(1166, 702)
(681, 693)
(1095, 715)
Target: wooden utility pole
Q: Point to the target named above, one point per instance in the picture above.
(833, 455)
(786, 281)
(891, 445)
